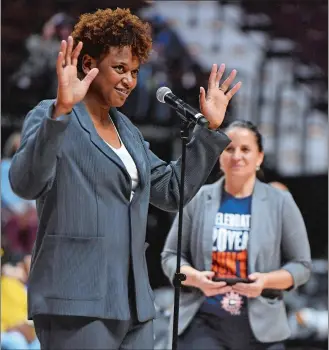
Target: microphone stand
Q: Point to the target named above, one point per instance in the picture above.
(180, 277)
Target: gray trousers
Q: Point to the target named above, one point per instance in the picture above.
(87, 333)
(73, 332)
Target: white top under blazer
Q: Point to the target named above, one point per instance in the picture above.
(128, 162)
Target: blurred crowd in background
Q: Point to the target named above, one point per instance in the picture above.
(280, 51)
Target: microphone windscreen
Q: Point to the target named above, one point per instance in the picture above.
(161, 93)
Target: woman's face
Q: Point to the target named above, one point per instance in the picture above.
(242, 156)
(117, 76)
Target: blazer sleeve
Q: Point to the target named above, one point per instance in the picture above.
(33, 166)
(295, 244)
(169, 253)
(202, 152)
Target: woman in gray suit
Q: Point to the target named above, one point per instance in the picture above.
(93, 177)
(235, 228)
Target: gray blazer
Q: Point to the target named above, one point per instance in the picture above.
(89, 232)
(277, 233)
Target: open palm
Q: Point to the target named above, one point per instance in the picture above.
(71, 89)
(213, 104)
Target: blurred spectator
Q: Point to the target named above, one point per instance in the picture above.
(164, 301)
(17, 332)
(308, 306)
(19, 217)
(38, 71)
(165, 67)
(314, 320)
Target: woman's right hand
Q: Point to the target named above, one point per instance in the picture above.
(203, 281)
(71, 89)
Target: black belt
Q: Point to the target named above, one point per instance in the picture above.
(272, 294)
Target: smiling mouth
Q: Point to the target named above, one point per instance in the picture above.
(123, 92)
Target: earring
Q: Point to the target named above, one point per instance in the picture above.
(257, 167)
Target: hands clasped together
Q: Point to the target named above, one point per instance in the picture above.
(203, 281)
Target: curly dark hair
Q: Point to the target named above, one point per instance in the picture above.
(103, 29)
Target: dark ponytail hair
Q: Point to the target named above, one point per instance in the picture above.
(245, 124)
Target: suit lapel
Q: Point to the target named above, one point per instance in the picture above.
(87, 124)
(258, 215)
(212, 203)
(132, 144)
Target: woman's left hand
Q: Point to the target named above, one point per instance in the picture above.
(213, 104)
(254, 289)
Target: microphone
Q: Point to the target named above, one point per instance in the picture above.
(188, 113)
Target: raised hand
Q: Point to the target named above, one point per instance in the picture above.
(71, 89)
(213, 104)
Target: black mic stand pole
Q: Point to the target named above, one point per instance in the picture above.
(180, 277)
